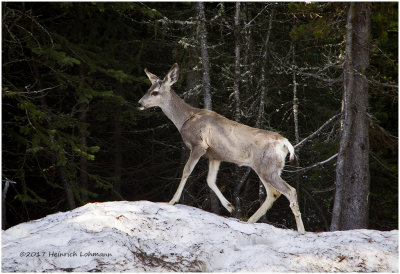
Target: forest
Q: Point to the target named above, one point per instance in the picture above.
(324, 75)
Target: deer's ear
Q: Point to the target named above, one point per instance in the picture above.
(172, 76)
(153, 78)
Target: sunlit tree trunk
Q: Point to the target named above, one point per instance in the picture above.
(247, 56)
(263, 81)
(296, 119)
(237, 78)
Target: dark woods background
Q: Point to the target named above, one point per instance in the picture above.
(71, 73)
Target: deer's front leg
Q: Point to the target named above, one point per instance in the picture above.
(194, 157)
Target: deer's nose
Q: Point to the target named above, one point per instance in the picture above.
(139, 106)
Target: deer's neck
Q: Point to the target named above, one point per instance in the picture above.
(177, 110)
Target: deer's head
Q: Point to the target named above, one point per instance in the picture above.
(159, 92)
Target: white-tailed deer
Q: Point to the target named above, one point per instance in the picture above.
(209, 134)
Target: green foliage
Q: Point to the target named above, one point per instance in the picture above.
(384, 23)
(45, 127)
(317, 29)
(54, 53)
(302, 7)
(119, 75)
(316, 22)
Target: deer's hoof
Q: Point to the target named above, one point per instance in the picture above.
(251, 220)
(301, 229)
(230, 208)
(172, 202)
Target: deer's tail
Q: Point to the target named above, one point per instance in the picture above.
(290, 148)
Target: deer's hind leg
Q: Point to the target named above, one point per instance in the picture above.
(272, 196)
(290, 193)
(211, 181)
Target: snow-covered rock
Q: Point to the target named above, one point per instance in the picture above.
(145, 236)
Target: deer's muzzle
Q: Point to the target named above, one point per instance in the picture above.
(140, 106)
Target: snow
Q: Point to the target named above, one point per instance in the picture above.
(157, 237)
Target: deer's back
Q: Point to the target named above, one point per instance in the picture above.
(227, 140)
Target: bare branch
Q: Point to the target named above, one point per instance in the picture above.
(251, 21)
(147, 129)
(30, 91)
(375, 82)
(315, 133)
(166, 20)
(314, 165)
(319, 77)
(386, 85)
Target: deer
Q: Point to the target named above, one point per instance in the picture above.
(209, 134)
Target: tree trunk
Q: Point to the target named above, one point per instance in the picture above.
(247, 58)
(350, 210)
(295, 102)
(263, 81)
(236, 90)
(3, 204)
(237, 78)
(83, 161)
(192, 78)
(83, 109)
(117, 139)
(296, 119)
(61, 172)
(261, 189)
(243, 179)
(206, 83)
(204, 57)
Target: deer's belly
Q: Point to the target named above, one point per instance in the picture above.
(240, 156)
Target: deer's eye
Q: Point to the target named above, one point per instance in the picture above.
(154, 93)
